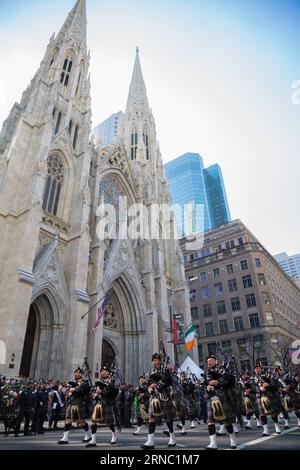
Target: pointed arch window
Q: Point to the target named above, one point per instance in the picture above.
(66, 72)
(146, 142)
(75, 137)
(134, 145)
(70, 127)
(58, 121)
(54, 184)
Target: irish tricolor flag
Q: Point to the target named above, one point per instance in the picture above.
(190, 341)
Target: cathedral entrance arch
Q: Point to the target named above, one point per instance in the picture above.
(42, 344)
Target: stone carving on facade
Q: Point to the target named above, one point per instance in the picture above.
(110, 318)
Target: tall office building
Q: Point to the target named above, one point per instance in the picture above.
(191, 184)
(290, 264)
(216, 196)
(187, 187)
(108, 130)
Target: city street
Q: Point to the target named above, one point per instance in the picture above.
(195, 439)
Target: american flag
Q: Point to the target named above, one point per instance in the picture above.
(100, 313)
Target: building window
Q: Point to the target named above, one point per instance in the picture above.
(216, 273)
(203, 277)
(200, 351)
(212, 348)
(134, 145)
(226, 346)
(258, 262)
(205, 252)
(58, 121)
(261, 279)
(193, 295)
(258, 341)
(232, 244)
(247, 281)
(232, 285)
(54, 184)
(254, 320)
(205, 292)
(238, 324)
(266, 298)
(245, 365)
(70, 127)
(146, 142)
(221, 307)
(235, 304)
(209, 328)
(75, 137)
(194, 256)
(219, 288)
(241, 342)
(229, 268)
(274, 340)
(66, 72)
(269, 318)
(223, 327)
(192, 279)
(241, 242)
(194, 313)
(207, 312)
(244, 265)
(251, 300)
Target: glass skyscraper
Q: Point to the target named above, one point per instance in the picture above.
(290, 264)
(200, 190)
(216, 196)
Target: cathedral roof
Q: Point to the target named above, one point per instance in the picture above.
(75, 26)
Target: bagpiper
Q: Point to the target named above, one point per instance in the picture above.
(160, 403)
(220, 407)
(142, 401)
(103, 412)
(77, 407)
(267, 403)
(188, 389)
(247, 391)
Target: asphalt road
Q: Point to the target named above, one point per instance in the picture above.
(195, 439)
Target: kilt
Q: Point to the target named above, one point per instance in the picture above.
(142, 411)
(167, 408)
(77, 410)
(295, 399)
(228, 409)
(275, 403)
(180, 410)
(108, 413)
(253, 403)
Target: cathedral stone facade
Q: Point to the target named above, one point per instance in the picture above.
(54, 268)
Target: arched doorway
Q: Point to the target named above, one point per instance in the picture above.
(39, 351)
(108, 354)
(29, 341)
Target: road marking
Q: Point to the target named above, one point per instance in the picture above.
(264, 439)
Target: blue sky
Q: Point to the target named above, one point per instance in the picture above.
(219, 76)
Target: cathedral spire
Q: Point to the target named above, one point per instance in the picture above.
(75, 26)
(137, 99)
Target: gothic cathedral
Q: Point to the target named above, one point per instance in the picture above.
(54, 268)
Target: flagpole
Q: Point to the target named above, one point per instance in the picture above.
(92, 308)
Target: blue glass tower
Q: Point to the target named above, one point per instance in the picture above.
(187, 187)
(216, 196)
(190, 183)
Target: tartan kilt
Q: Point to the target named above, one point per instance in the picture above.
(167, 408)
(275, 404)
(108, 414)
(83, 410)
(180, 410)
(253, 403)
(139, 414)
(295, 399)
(228, 410)
(192, 409)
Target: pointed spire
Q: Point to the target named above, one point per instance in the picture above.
(75, 25)
(137, 99)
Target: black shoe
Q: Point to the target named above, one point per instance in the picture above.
(63, 443)
(167, 433)
(85, 441)
(183, 433)
(147, 447)
(29, 433)
(232, 447)
(248, 427)
(90, 445)
(220, 434)
(286, 427)
(265, 435)
(210, 448)
(172, 445)
(179, 426)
